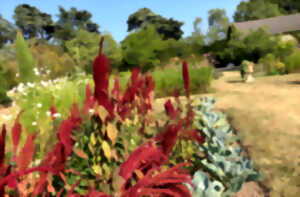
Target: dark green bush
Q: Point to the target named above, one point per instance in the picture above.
(170, 79)
(7, 78)
(251, 47)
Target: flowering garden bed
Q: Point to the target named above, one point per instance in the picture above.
(110, 144)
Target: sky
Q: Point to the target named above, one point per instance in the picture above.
(112, 15)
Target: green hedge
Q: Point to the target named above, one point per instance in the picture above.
(170, 79)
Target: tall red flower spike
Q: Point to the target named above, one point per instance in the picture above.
(170, 109)
(16, 133)
(101, 79)
(169, 137)
(186, 78)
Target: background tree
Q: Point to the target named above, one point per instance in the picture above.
(85, 46)
(256, 9)
(141, 48)
(196, 40)
(7, 31)
(218, 23)
(169, 28)
(287, 6)
(33, 22)
(70, 21)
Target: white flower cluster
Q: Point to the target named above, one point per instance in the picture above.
(22, 94)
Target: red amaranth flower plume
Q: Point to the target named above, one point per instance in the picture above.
(170, 109)
(186, 78)
(101, 79)
(169, 137)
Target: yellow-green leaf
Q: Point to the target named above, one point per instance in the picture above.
(136, 119)
(106, 149)
(93, 139)
(97, 169)
(102, 112)
(112, 132)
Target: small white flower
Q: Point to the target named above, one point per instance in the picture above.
(20, 87)
(34, 123)
(6, 117)
(48, 113)
(57, 115)
(31, 85)
(91, 111)
(39, 105)
(36, 71)
(45, 84)
(17, 74)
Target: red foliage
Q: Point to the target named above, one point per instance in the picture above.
(168, 138)
(146, 156)
(16, 133)
(101, 79)
(186, 78)
(167, 183)
(26, 154)
(170, 109)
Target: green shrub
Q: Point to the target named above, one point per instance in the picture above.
(174, 48)
(7, 79)
(252, 47)
(83, 47)
(292, 63)
(142, 47)
(51, 60)
(272, 65)
(170, 79)
(25, 60)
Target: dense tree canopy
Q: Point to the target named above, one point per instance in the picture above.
(196, 40)
(287, 6)
(169, 28)
(33, 22)
(70, 21)
(255, 9)
(258, 9)
(7, 31)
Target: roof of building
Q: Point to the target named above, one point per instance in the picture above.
(275, 25)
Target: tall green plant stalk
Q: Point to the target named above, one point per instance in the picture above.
(25, 60)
